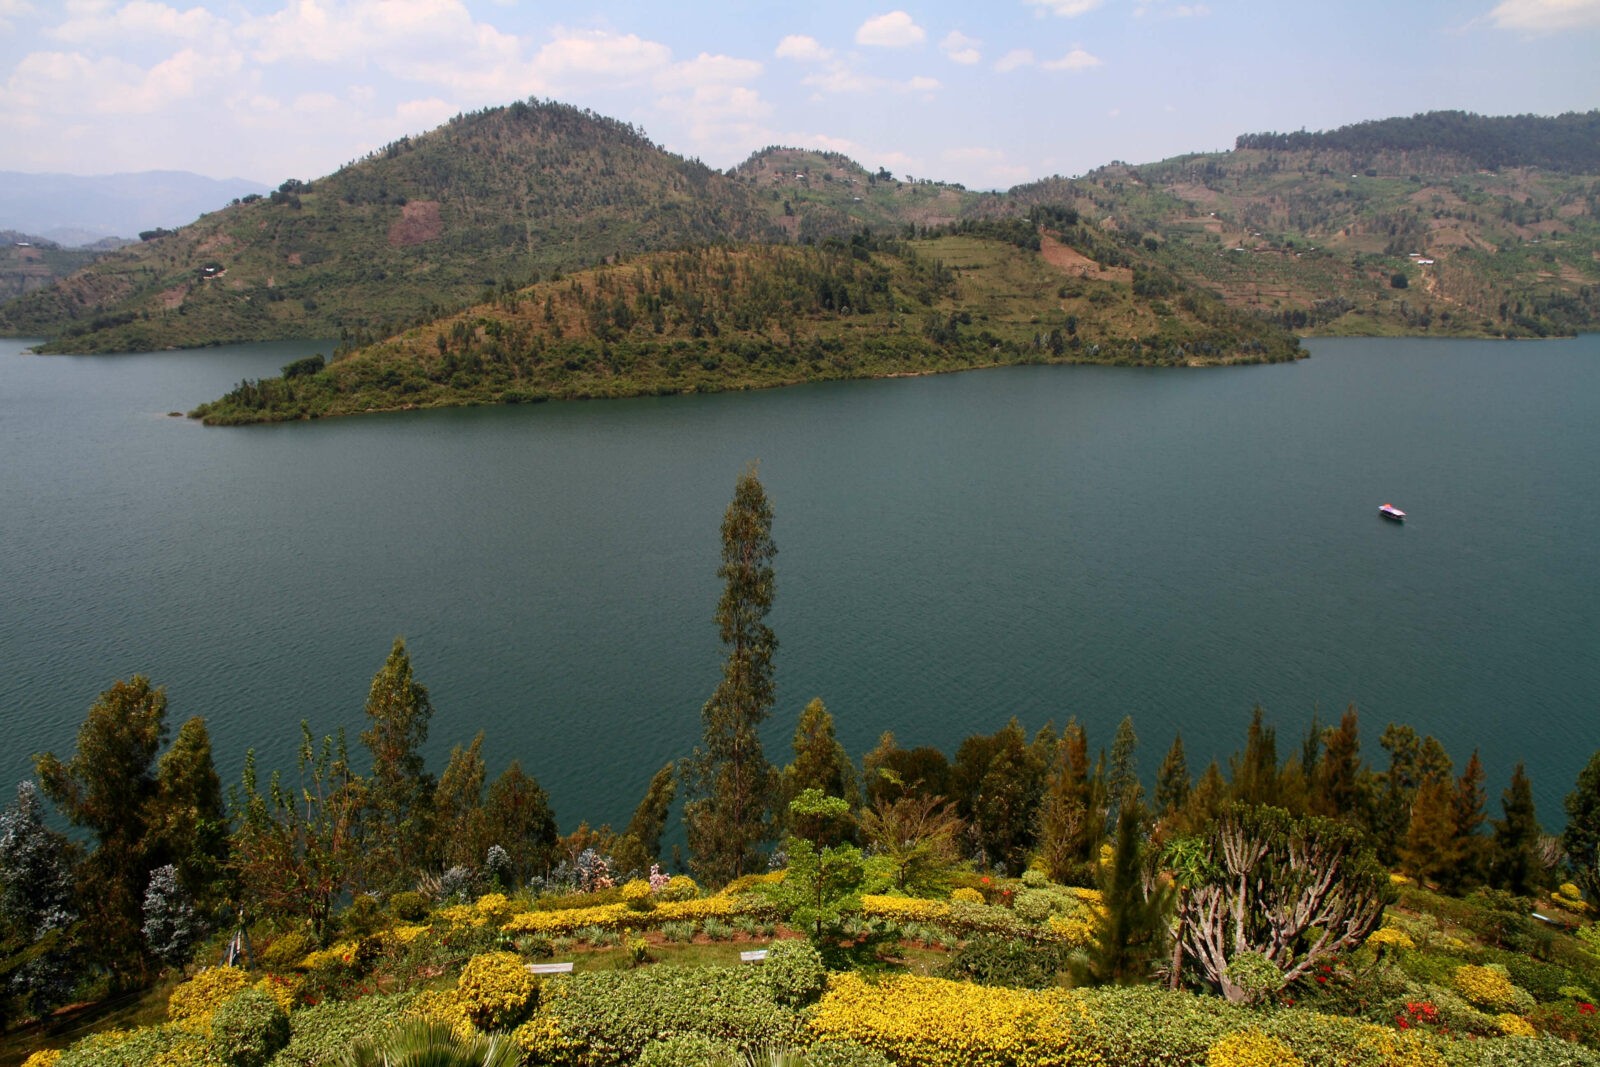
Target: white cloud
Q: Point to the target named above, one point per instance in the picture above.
(922, 84)
(1015, 59)
(71, 85)
(707, 69)
(1069, 9)
(804, 49)
(894, 30)
(135, 20)
(1163, 10)
(840, 78)
(1545, 16)
(1075, 60)
(591, 54)
(959, 48)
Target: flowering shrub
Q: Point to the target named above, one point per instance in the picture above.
(968, 894)
(460, 915)
(1387, 937)
(195, 1000)
(284, 989)
(495, 908)
(1513, 1025)
(1419, 1014)
(150, 1046)
(930, 1022)
(1574, 1020)
(248, 1027)
(1251, 1048)
(1490, 988)
(442, 1006)
(408, 906)
(659, 880)
(637, 895)
(496, 990)
(1077, 931)
(43, 1058)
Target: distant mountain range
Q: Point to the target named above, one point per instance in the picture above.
(1441, 223)
(75, 211)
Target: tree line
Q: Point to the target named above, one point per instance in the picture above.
(163, 856)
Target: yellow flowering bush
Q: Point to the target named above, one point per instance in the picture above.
(636, 895)
(1490, 988)
(283, 988)
(1390, 937)
(406, 933)
(43, 1058)
(1251, 1048)
(1075, 930)
(931, 1022)
(905, 909)
(1402, 1049)
(195, 1000)
(442, 1006)
(496, 990)
(494, 908)
(460, 915)
(1513, 1025)
(616, 916)
(968, 894)
(1569, 896)
(334, 956)
(679, 887)
(567, 920)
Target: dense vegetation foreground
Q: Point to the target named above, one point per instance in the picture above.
(1017, 902)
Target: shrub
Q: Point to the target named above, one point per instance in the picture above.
(685, 1050)
(1574, 1021)
(1004, 961)
(1490, 988)
(636, 895)
(196, 999)
(967, 894)
(286, 950)
(151, 1046)
(362, 917)
(1388, 937)
(495, 908)
(408, 906)
(317, 1035)
(496, 990)
(1251, 1048)
(794, 973)
(845, 1053)
(931, 1022)
(43, 1058)
(606, 1018)
(248, 1028)
(1257, 976)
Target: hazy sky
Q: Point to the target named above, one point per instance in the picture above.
(986, 94)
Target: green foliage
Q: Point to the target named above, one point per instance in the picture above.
(1569, 141)
(686, 1050)
(408, 905)
(1131, 932)
(397, 821)
(1581, 838)
(318, 1035)
(249, 1028)
(430, 1043)
(794, 972)
(496, 990)
(823, 884)
(1006, 961)
(606, 1018)
(844, 1053)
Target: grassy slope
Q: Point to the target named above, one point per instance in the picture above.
(420, 228)
(760, 316)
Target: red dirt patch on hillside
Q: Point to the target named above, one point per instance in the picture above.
(418, 222)
(1069, 260)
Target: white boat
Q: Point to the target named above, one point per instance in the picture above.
(1389, 511)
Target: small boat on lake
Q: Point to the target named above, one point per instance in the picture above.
(1389, 511)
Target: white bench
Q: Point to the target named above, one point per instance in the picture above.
(550, 968)
(758, 956)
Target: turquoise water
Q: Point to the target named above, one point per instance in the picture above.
(953, 551)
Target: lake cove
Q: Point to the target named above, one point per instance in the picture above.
(953, 550)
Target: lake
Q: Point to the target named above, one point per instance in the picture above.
(1037, 542)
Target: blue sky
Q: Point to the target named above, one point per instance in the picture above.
(988, 95)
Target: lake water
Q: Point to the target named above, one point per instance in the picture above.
(953, 551)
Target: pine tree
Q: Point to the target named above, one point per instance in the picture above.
(1255, 775)
(1206, 802)
(1172, 780)
(1466, 814)
(820, 763)
(399, 792)
(640, 844)
(1132, 932)
(1430, 848)
(1071, 824)
(731, 786)
(1123, 785)
(1515, 863)
(1581, 838)
(1336, 792)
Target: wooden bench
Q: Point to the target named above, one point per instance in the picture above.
(550, 968)
(758, 956)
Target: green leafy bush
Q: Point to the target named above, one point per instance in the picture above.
(1005, 961)
(685, 1050)
(285, 951)
(317, 1035)
(249, 1028)
(605, 1018)
(145, 1047)
(794, 972)
(408, 906)
(845, 1053)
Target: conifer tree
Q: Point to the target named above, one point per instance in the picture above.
(518, 818)
(1515, 863)
(1123, 784)
(1255, 774)
(1206, 801)
(640, 844)
(458, 808)
(1071, 824)
(731, 786)
(820, 763)
(1466, 814)
(1172, 780)
(398, 822)
(1132, 932)
(1581, 838)
(1430, 848)
(1336, 784)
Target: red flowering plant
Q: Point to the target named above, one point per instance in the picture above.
(1574, 1020)
(1337, 985)
(1420, 1015)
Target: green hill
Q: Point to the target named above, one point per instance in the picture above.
(421, 227)
(762, 315)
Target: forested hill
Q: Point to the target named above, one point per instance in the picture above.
(421, 227)
(717, 318)
(1569, 142)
